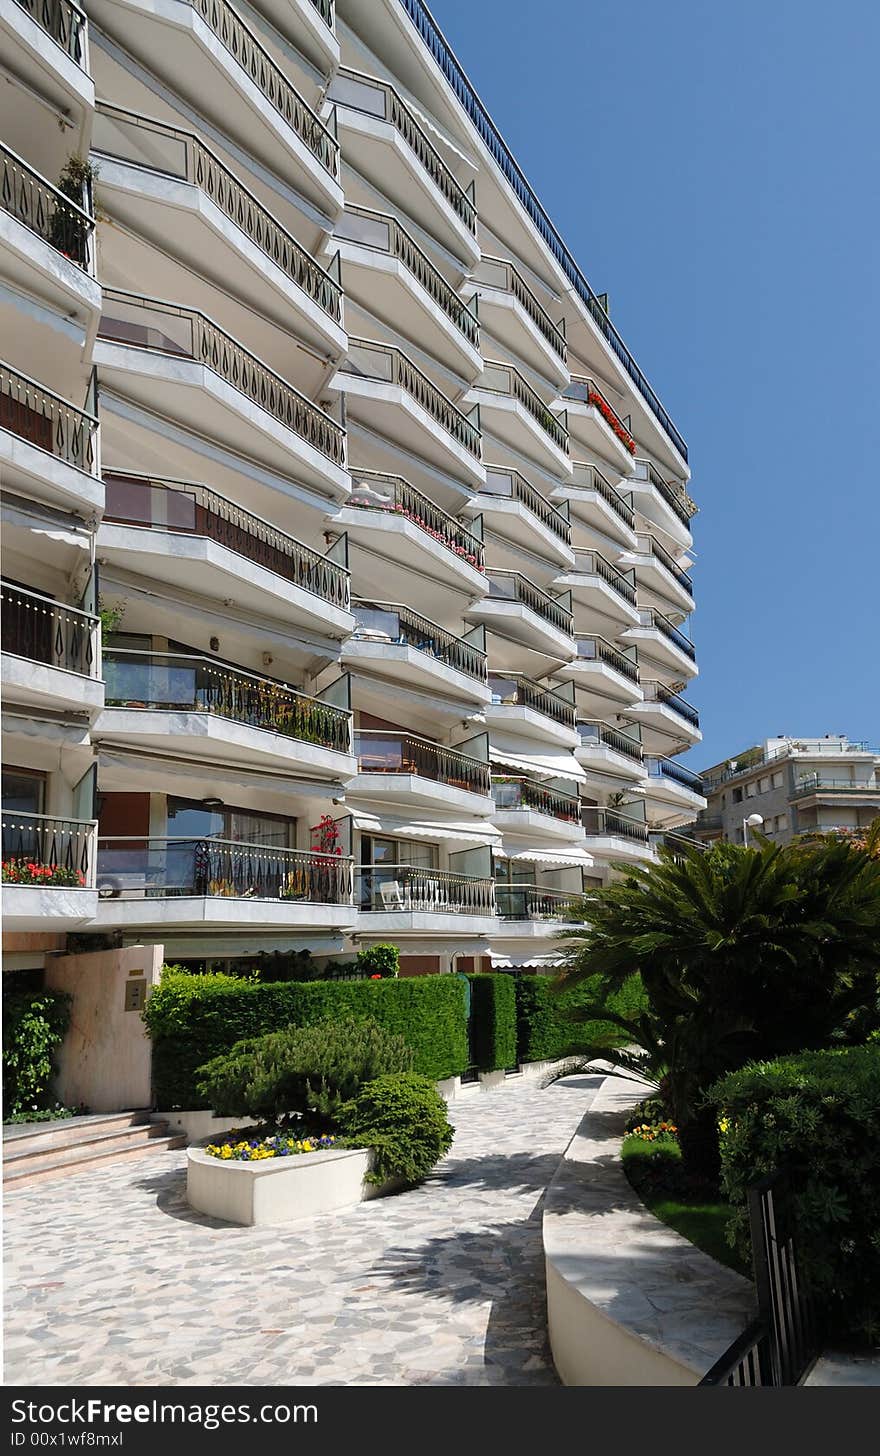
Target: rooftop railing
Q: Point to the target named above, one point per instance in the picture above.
(388, 622)
(44, 419)
(520, 792)
(593, 563)
(161, 867)
(598, 821)
(48, 853)
(498, 378)
(499, 273)
(516, 690)
(596, 649)
(510, 485)
(532, 902)
(383, 362)
(385, 751)
(42, 630)
(181, 507)
(650, 617)
(678, 501)
(417, 889)
(648, 546)
(369, 95)
(586, 391)
(241, 43)
(384, 234)
(510, 586)
(668, 768)
(175, 682)
(375, 491)
(594, 733)
(46, 211)
(64, 22)
(657, 692)
(753, 758)
(589, 477)
(159, 147)
(166, 328)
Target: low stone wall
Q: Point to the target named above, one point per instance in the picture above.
(629, 1301)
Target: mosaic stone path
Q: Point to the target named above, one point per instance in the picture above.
(112, 1278)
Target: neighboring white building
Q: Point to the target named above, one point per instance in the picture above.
(306, 401)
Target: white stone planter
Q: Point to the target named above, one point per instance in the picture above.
(279, 1190)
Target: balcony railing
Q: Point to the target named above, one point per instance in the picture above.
(610, 822)
(648, 546)
(498, 378)
(193, 510)
(592, 563)
(158, 147)
(374, 491)
(389, 622)
(586, 391)
(42, 630)
(596, 649)
(511, 587)
(64, 22)
(414, 888)
(820, 783)
(515, 690)
(679, 503)
(499, 273)
(677, 845)
(650, 617)
(385, 363)
(47, 212)
(372, 97)
(165, 328)
(589, 477)
(597, 734)
(382, 751)
(384, 234)
(173, 682)
(510, 485)
(167, 868)
(530, 902)
(325, 10)
(668, 768)
(35, 414)
(241, 43)
(519, 792)
(48, 853)
(657, 692)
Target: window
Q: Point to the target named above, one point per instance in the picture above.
(782, 821)
(190, 819)
(514, 872)
(750, 790)
(763, 786)
(737, 796)
(777, 780)
(24, 791)
(386, 878)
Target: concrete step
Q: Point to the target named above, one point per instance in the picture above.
(95, 1154)
(45, 1136)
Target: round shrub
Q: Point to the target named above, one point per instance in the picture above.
(378, 960)
(403, 1119)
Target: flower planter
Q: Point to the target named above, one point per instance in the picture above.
(280, 1190)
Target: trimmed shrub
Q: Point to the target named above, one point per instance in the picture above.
(378, 960)
(192, 1019)
(403, 1119)
(545, 1029)
(34, 1025)
(814, 1116)
(493, 1022)
(306, 1071)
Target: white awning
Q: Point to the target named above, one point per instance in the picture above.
(555, 763)
(518, 849)
(472, 833)
(144, 767)
(545, 962)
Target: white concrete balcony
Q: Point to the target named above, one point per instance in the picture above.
(385, 143)
(616, 837)
(388, 394)
(48, 872)
(51, 653)
(515, 316)
(195, 705)
(512, 506)
(179, 366)
(48, 447)
(665, 504)
(526, 806)
(50, 42)
(605, 676)
(662, 583)
(608, 594)
(593, 422)
(173, 191)
(395, 643)
(521, 612)
(164, 883)
(668, 723)
(309, 25)
(674, 794)
(518, 419)
(519, 705)
(826, 790)
(174, 531)
(604, 750)
(402, 768)
(663, 648)
(411, 899)
(387, 273)
(207, 53)
(598, 505)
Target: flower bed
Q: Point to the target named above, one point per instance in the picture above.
(278, 1190)
(29, 872)
(253, 1150)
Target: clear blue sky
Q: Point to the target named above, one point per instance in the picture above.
(714, 167)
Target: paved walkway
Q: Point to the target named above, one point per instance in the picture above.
(112, 1278)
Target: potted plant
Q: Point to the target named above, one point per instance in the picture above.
(69, 229)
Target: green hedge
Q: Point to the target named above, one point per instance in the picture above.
(544, 1028)
(194, 1018)
(493, 1020)
(813, 1115)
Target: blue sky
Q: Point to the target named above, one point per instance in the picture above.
(714, 168)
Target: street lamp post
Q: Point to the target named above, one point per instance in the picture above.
(753, 822)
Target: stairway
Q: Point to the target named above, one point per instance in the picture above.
(34, 1151)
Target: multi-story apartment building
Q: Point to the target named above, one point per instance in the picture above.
(793, 786)
(345, 542)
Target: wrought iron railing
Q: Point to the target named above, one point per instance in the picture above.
(520, 792)
(669, 768)
(371, 360)
(148, 323)
(126, 136)
(160, 867)
(531, 902)
(591, 731)
(325, 10)
(596, 649)
(175, 682)
(360, 92)
(593, 563)
(657, 692)
(650, 617)
(375, 491)
(586, 391)
(45, 210)
(241, 43)
(415, 888)
(589, 477)
(64, 22)
(510, 485)
(499, 273)
(512, 587)
(384, 751)
(818, 783)
(500, 378)
(194, 510)
(680, 504)
(48, 853)
(390, 622)
(514, 689)
(648, 546)
(383, 233)
(42, 630)
(609, 822)
(36, 414)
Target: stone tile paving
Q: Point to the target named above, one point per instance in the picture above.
(112, 1278)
